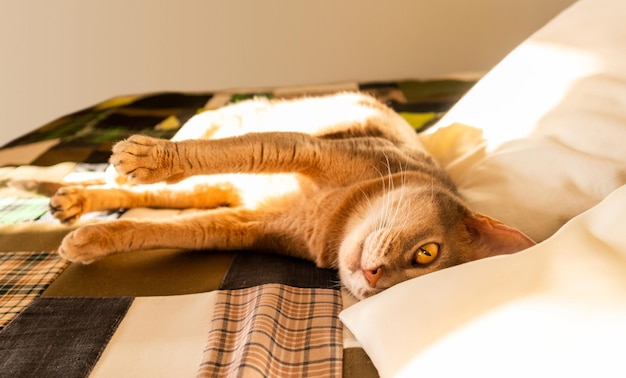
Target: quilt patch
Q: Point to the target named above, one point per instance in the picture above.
(253, 268)
(13, 210)
(59, 337)
(23, 277)
(274, 330)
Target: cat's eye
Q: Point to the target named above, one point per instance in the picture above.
(427, 253)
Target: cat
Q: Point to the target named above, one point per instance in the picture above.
(350, 186)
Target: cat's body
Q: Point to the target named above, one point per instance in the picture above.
(364, 195)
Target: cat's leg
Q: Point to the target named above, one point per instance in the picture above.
(221, 229)
(69, 203)
(145, 160)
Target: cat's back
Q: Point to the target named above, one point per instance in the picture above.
(340, 115)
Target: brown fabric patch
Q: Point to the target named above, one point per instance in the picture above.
(144, 273)
(357, 364)
(275, 330)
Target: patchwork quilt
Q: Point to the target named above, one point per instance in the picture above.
(167, 312)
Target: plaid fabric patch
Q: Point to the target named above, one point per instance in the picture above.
(275, 330)
(23, 277)
(13, 210)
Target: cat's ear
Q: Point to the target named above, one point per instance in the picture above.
(491, 237)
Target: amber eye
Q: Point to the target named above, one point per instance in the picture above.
(427, 253)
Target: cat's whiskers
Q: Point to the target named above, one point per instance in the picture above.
(379, 224)
(391, 204)
(336, 284)
(381, 217)
(366, 196)
(395, 214)
(404, 218)
(432, 188)
(370, 204)
(391, 217)
(387, 195)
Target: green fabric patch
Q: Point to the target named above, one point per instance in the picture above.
(434, 90)
(419, 120)
(14, 210)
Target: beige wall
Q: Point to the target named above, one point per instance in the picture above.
(63, 55)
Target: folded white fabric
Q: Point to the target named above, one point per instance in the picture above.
(557, 309)
(553, 114)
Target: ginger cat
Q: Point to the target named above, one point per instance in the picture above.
(353, 189)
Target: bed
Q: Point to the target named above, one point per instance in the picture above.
(166, 312)
(537, 143)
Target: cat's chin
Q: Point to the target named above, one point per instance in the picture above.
(356, 284)
(361, 292)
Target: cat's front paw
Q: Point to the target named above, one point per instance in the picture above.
(145, 160)
(68, 204)
(86, 244)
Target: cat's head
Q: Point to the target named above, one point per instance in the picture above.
(407, 232)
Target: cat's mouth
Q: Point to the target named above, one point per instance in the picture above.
(352, 267)
(359, 274)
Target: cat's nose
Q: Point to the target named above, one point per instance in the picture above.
(373, 275)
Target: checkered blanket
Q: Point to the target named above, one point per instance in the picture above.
(167, 312)
(276, 330)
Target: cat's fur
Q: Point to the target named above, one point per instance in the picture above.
(364, 195)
